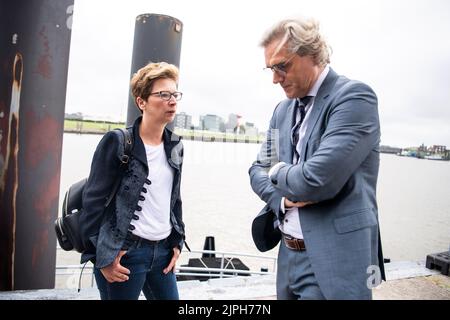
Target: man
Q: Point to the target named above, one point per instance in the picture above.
(325, 139)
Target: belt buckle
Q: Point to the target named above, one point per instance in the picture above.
(296, 244)
(293, 243)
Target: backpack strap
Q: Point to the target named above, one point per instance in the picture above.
(127, 147)
(127, 144)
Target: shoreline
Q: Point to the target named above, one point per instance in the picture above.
(196, 136)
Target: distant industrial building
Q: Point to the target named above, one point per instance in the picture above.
(250, 129)
(73, 116)
(437, 149)
(212, 122)
(233, 122)
(183, 120)
(389, 149)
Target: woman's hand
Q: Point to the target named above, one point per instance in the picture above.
(171, 266)
(115, 272)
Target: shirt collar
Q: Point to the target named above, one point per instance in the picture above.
(319, 81)
(315, 88)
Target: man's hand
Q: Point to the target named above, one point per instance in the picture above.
(171, 266)
(115, 272)
(289, 204)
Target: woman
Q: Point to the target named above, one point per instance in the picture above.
(135, 242)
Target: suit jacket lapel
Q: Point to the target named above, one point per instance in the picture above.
(319, 102)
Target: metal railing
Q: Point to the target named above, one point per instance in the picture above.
(227, 267)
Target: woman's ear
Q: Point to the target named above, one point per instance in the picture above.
(141, 103)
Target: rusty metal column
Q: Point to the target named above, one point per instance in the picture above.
(156, 38)
(34, 54)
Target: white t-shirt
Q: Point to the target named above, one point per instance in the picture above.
(154, 219)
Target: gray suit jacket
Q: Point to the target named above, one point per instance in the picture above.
(338, 170)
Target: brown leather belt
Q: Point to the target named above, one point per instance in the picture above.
(134, 238)
(293, 243)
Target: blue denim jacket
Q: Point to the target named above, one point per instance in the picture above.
(104, 231)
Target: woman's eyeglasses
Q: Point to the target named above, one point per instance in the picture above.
(167, 95)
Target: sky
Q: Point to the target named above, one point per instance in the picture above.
(398, 47)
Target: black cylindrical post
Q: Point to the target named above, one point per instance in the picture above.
(34, 54)
(156, 38)
(209, 245)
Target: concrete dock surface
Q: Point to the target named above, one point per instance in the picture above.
(405, 281)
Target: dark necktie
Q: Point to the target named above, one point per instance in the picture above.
(300, 107)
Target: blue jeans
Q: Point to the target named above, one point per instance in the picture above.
(146, 261)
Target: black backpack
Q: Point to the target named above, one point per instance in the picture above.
(67, 227)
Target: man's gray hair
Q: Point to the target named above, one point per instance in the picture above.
(299, 36)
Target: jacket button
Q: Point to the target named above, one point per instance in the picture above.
(144, 190)
(148, 182)
(141, 198)
(131, 227)
(135, 217)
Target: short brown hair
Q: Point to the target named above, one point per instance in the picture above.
(143, 80)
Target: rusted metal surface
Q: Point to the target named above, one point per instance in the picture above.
(9, 173)
(156, 38)
(34, 52)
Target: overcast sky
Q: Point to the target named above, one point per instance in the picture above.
(399, 47)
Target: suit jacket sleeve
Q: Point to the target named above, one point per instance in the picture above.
(267, 157)
(351, 132)
(104, 173)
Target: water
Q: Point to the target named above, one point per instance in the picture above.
(414, 207)
(413, 198)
